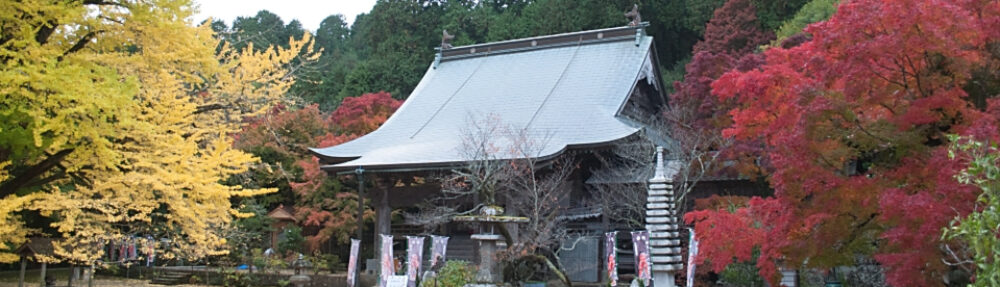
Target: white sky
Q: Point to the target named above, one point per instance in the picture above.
(309, 12)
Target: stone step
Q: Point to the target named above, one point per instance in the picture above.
(172, 275)
(670, 251)
(666, 259)
(171, 278)
(660, 192)
(655, 180)
(660, 186)
(658, 219)
(667, 267)
(660, 212)
(660, 199)
(661, 227)
(665, 235)
(659, 205)
(788, 277)
(664, 242)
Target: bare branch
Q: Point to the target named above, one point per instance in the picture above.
(103, 3)
(80, 43)
(211, 107)
(504, 166)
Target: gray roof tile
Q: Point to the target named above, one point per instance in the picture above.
(569, 93)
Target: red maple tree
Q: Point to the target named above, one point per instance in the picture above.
(364, 114)
(322, 202)
(733, 30)
(852, 125)
(695, 117)
(282, 138)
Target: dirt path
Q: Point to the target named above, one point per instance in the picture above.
(103, 283)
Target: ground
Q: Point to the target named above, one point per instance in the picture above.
(9, 279)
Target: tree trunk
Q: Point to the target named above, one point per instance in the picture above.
(555, 269)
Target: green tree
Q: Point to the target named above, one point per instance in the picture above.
(978, 229)
(251, 232)
(292, 240)
(263, 30)
(396, 44)
(812, 12)
(772, 13)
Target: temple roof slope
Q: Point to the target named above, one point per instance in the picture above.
(569, 88)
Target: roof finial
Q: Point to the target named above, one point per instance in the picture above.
(446, 39)
(634, 16)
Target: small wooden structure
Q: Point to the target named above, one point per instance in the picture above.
(41, 250)
(281, 217)
(38, 249)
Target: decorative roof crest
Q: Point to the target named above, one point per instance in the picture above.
(446, 39)
(634, 18)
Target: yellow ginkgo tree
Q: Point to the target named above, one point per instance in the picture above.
(114, 122)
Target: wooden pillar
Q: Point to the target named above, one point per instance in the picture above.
(383, 218)
(72, 275)
(90, 279)
(360, 172)
(20, 277)
(384, 213)
(41, 277)
(602, 273)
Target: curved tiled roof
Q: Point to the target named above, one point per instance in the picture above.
(570, 90)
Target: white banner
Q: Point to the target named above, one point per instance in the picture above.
(388, 268)
(643, 265)
(439, 246)
(414, 259)
(612, 256)
(352, 265)
(692, 253)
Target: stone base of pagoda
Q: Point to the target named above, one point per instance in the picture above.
(663, 279)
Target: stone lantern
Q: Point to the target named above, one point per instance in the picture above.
(300, 279)
(489, 217)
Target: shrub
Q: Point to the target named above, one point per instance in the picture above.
(453, 274)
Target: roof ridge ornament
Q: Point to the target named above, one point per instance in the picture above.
(446, 39)
(445, 45)
(634, 18)
(636, 22)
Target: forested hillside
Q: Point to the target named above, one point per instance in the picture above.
(390, 47)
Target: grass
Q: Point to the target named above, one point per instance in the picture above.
(31, 275)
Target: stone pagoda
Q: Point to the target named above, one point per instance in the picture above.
(661, 221)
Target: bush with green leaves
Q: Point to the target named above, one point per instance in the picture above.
(292, 241)
(812, 12)
(454, 274)
(741, 274)
(978, 230)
